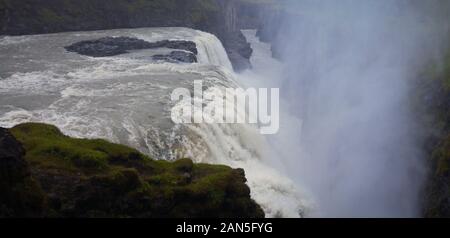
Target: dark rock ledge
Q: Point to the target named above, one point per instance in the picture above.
(112, 46)
(177, 56)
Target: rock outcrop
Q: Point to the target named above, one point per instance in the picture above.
(432, 106)
(47, 174)
(176, 57)
(20, 194)
(111, 46)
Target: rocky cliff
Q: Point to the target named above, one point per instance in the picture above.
(219, 17)
(432, 100)
(44, 173)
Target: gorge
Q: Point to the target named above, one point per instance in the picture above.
(364, 105)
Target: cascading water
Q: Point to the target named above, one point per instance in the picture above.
(126, 99)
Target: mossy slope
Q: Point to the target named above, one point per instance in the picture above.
(95, 178)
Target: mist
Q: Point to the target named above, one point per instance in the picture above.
(348, 134)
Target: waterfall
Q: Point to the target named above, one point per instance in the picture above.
(126, 100)
(211, 50)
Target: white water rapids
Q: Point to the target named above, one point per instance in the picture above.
(126, 99)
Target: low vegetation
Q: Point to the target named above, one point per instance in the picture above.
(70, 177)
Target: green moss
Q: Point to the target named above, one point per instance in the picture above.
(184, 165)
(121, 180)
(211, 187)
(47, 147)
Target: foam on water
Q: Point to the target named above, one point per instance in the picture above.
(127, 100)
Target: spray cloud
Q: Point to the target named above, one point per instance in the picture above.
(349, 65)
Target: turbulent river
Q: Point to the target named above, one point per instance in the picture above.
(126, 99)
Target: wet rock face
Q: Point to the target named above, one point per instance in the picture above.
(12, 166)
(111, 46)
(20, 194)
(239, 50)
(10, 148)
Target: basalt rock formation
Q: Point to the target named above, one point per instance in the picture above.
(111, 46)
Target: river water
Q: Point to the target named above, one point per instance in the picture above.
(126, 99)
